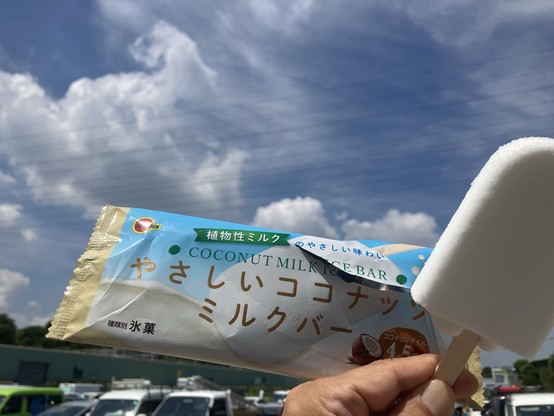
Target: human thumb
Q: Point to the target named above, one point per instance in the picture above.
(433, 398)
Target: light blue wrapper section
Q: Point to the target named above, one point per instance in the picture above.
(270, 300)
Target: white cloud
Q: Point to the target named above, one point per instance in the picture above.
(109, 139)
(397, 227)
(451, 22)
(39, 320)
(10, 283)
(273, 14)
(283, 15)
(33, 305)
(125, 13)
(9, 213)
(219, 178)
(307, 215)
(181, 71)
(6, 179)
(29, 234)
(32, 315)
(29, 319)
(302, 215)
(465, 22)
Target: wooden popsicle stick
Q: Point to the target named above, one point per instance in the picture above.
(454, 360)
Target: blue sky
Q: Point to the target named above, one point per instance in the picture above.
(361, 121)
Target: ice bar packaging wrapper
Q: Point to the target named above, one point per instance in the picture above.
(233, 294)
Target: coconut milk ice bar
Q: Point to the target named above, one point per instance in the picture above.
(490, 276)
(244, 296)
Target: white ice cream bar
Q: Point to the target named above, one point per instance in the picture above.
(492, 270)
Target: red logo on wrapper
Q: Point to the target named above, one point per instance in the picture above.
(145, 224)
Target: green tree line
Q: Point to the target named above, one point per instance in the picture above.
(31, 336)
(539, 373)
(536, 373)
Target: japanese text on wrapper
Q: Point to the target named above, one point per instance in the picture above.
(179, 271)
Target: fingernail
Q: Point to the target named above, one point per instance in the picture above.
(438, 397)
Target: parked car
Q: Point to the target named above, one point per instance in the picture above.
(81, 388)
(203, 403)
(128, 402)
(275, 405)
(522, 404)
(28, 401)
(530, 404)
(70, 408)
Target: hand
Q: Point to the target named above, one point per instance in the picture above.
(398, 386)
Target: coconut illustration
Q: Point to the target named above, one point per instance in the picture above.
(365, 349)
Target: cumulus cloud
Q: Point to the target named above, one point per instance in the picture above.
(174, 55)
(109, 139)
(412, 228)
(307, 215)
(9, 213)
(10, 283)
(302, 214)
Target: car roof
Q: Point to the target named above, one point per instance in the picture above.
(8, 389)
(523, 399)
(133, 394)
(198, 393)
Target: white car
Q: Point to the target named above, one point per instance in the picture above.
(521, 404)
(202, 403)
(128, 402)
(530, 404)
